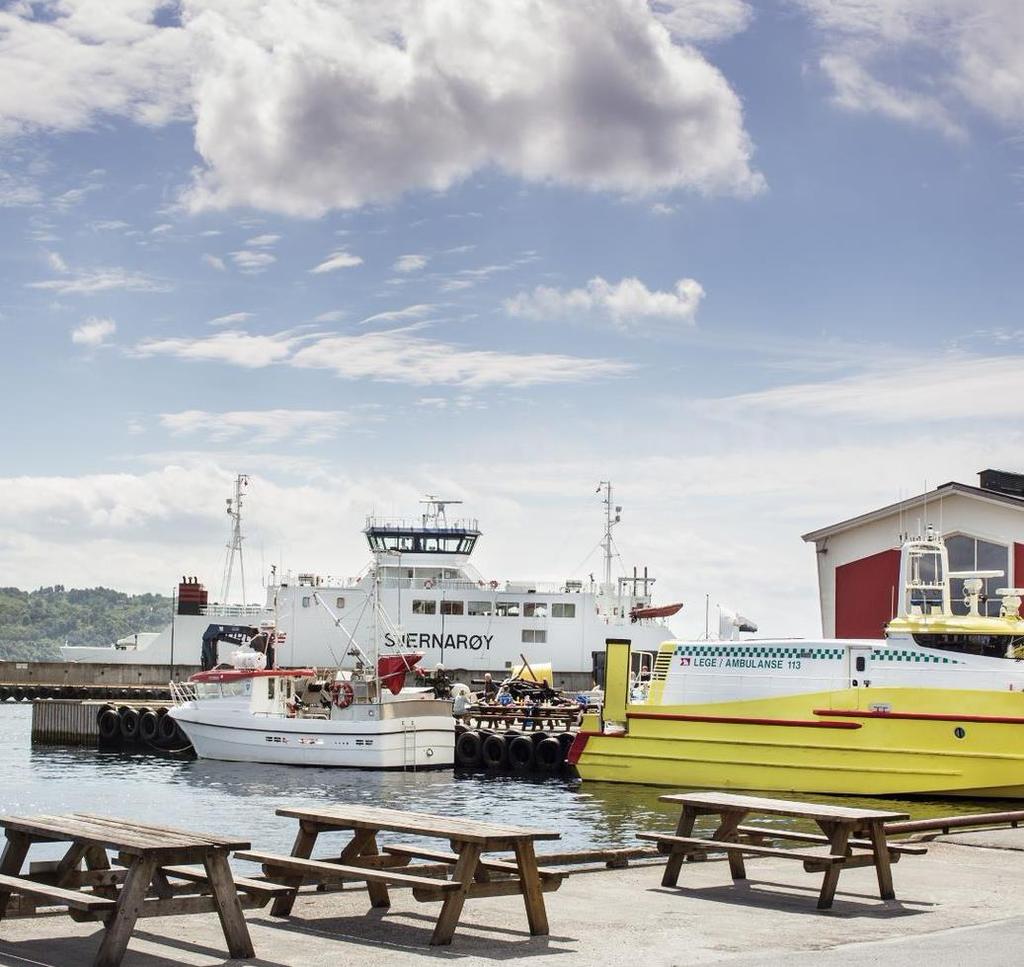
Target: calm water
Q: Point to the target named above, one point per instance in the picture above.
(240, 799)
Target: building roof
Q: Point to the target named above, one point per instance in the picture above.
(943, 490)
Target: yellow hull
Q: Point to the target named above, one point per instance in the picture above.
(953, 742)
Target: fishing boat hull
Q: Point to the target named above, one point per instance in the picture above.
(855, 741)
(413, 742)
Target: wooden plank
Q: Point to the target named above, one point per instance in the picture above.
(56, 894)
(493, 888)
(877, 835)
(195, 874)
(191, 836)
(15, 851)
(129, 903)
(838, 834)
(724, 801)
(364, 843)
(336, 871)
(423, 824)
(232, 922)
(441, 856)
(764, 832)
(684, 828)
(533, 898)
(721, 846)
(451, 909)
(850, 863)
(305, 840)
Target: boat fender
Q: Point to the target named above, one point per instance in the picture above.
(167, 729)
(148, 725)
(494, 752)
(467, 749)
(494, 585)
(565, 740)
(428, 584)
(342, 694)
(548, 755)
(129, 724)
(520, 754)
(109, 725)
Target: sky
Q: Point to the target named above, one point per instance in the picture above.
(757, 263)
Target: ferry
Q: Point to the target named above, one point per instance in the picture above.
(936, 707)
(439, 604)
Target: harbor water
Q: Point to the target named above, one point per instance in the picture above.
(240, 798)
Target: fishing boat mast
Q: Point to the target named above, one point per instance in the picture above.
(612, 516)
(234, 545)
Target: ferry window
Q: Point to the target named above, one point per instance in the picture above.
(484, 608)
(306, 602)
(466, 545)
(860, 663)
(561, 610)
(339, 603)
(430, 544)
(453, 607)
(534, 635)
(506, 609)
(973, 554)
(270, 687)
(535, 609)
(450, 575)
(424, 607)
(405, 544)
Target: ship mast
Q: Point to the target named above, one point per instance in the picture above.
(234, 545)
(612, 515)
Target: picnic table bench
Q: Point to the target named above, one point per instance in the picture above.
(450, 877)
(850, 837)
(146, 878)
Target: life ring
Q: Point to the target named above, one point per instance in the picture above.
(494, 585)
(342, 694)
(428, 584)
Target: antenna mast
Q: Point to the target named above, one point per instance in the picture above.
(234, 545)
(612, 515)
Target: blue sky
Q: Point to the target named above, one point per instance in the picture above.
(757, 263)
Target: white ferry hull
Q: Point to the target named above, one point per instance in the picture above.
(424, 742)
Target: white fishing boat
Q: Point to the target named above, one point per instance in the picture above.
(439, 603)
(363, 717)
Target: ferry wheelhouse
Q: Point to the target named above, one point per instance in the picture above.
(936, 707)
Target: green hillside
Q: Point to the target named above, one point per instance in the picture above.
(34, 624)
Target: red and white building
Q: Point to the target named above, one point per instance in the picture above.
(859, 559)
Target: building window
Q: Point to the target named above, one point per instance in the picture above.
(484, 608)
(973, 554)
(307, 601)
(534, 636)
(535, 609)
(424, 607)
(339, 603)
(559, 610)
(506, 609)
(453, 607)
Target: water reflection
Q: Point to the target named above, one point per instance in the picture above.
(241, 798)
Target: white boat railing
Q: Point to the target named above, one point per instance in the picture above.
(232, 610)
(182, 692)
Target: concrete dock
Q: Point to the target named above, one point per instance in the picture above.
(958, 905)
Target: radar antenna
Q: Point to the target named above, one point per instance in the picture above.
(234, 545)
(433, 514)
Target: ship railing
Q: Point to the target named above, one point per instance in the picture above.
(182, 692)
(483, 587)
(232, 610)
(460, 526)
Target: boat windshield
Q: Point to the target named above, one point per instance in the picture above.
(992, 646)
(235, 689)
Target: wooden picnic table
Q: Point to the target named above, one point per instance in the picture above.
(451, 877)
(852, 837)
(565, 716)
(144, 880)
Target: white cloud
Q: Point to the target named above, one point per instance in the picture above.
(410, 263)
(417, 311)
(231, 319)
(162, 229)
(263, 241)
(304, 109)
(398, 357)
(625, 304)
(252, 263)
(215, 262)
(93, 332)
(263, 426)
(333, 315)
(925, 61)
(16, 190)
(660, 208)
(63, 64)
(108, 225)
(338, 260)
(90, 281)
(56, 262)
(234, 347)
(943, 389)
(394, 356)
(697, 21)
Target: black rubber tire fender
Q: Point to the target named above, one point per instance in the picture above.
(109, 725)
(548, 755)
(166, 730)
(129, 724)
(565, 740)
(494, 752)
(520, 754)
(467, 750)
(149, 725)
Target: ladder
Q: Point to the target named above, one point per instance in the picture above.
(408, 745)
